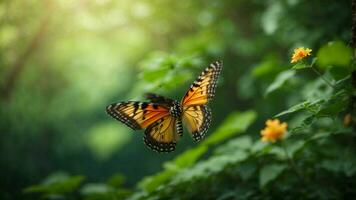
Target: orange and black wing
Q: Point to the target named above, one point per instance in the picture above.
(203, 88)
(163, 135)
(197, 119)
(196, 114)
(137, 115)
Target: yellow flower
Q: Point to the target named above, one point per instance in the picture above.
(300, 53)
(274, 130)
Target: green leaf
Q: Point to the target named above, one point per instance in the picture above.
(306, 122)
(185, 159)
(234, 124)
(116, 180)
(189, 157)
(246, 170)
(209, 167)
(330, 107)
(243, 142)
(174, 78)
(345, 163)
(165, 71)
(336, 57)
(57, 183)
(312, 107)
(279, 81)
(100, 191)
(150, 183)
(335, 54)
(278, 152)
(295, 147)
(336, 104)
(96, 188)
(270, 172)
(260, 147)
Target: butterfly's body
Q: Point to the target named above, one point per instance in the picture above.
(162, 117)
(176, 110)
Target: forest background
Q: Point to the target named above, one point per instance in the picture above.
(63, 61)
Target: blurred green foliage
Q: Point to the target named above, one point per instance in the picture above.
(62, 62)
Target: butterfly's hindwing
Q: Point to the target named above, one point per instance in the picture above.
(162, 136)
(137, 115)
(197, 119)
(203, 88)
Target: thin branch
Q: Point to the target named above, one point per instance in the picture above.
(19, 65)
(322, 77)
(319, 74)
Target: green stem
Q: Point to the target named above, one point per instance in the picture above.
(319, 74)
(292, 164)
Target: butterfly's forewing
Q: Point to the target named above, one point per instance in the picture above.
(203, 88)
(196, 114)
(162, 136)
(137, 115)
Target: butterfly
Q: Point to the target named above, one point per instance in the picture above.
(162, 117)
